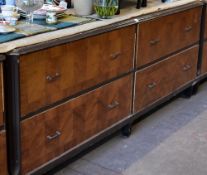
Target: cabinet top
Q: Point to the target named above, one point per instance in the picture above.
(127, 17)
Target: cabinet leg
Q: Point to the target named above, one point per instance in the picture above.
(127, 130)
(190, 91)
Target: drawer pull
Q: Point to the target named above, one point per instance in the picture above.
(186, 67)
(56, 135)
(115, 55)
(188, 28)
(152, 85)
(113, 105)
(154, 42)
(50, 78)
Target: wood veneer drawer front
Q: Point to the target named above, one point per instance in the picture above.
(163, 78)
(3, 159)
(1, 95)
(204, 59)
(50, 75)
(165, 35)
(52, 133)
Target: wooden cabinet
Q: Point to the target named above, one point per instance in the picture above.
(161, 36)
(162, 78)
(53, 132)
(3, 160)
(1, 96)
(53, 74)
(55, 123)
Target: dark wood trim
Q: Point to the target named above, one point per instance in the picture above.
(202, 39)
(11, 86)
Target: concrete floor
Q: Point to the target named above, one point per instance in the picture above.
(172, 141)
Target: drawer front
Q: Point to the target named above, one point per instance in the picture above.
(1, 96)
(161, 79)
(3, 159)
(165, 35)
(53, 74)
(50, 134)
(204, 59)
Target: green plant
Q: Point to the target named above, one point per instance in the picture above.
(106, 9)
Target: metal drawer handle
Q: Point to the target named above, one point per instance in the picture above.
(186, 67)
(154, 42)
(113, 105)
(188, 28)
(56, 135)
(152, 85)
(115, 55)
(52, 78)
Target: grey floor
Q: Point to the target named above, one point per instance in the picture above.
(172, 141)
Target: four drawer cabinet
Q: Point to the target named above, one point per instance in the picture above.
(72, 95)
(70, 68)
(162, 36)
(162, 78)
(53, 132)
(3, 160)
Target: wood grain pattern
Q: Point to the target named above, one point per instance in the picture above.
(167, 34)
(1, 96)
(76, 120)
(162, 78)
(204, 59)
(3, 159)
(50, 75)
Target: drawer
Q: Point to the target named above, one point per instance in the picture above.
(1, 95)
(3, 159)
(53, 132)
(53, 74)
(162, 78)
(204, 59)
(165, 35)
